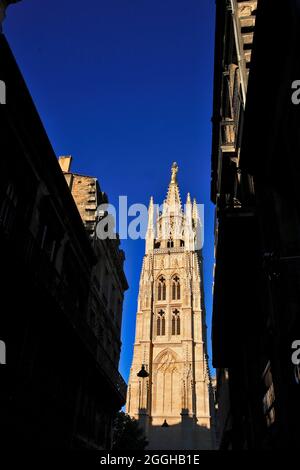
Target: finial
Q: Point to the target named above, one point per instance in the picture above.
(174, 172)
(195, 209)
(188, 199)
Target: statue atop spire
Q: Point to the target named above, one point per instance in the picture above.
(173, 197)
(174, 172)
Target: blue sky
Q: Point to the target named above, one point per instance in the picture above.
(125, 87)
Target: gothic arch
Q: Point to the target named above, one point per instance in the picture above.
(175, 330)
(168, 353)
(161, 287)
(161, 323)
(162, 273)
(175, 287)
(168, 383)
(175, 273)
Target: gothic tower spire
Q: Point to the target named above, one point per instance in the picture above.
(174, 402)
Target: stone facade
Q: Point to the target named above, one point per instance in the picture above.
(108, 279)
(171, 332)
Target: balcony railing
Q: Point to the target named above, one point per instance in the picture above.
(169, 250)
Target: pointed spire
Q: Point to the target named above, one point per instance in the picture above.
(151, 214)
(150, 229)
(188, 206)
(173, 196)
(195, 211)
(188, 228)
(199, 239)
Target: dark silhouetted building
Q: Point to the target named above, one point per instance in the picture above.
(255, 181)
(61, 293)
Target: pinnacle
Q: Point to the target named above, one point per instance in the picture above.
(173, 196)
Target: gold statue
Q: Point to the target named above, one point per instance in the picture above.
(174, 172)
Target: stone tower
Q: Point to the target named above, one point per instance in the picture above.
(174, 401)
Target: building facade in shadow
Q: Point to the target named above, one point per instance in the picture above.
(169, 389)
(61, 293)
(255, 181)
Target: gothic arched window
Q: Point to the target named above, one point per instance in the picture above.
(161, 289)
(170, 244)
(176, 288)
(175, 322)
(161, 324)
